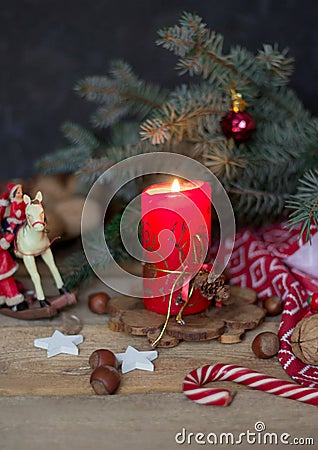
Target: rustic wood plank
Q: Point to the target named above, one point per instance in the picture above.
(26, 371)
(144, 421)
(48, 403)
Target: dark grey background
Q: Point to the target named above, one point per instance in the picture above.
(48, 45)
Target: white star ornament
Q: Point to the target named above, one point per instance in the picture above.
(59, 343)
(132, 359)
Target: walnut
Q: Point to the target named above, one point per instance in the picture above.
(304, 340)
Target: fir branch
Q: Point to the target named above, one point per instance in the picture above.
(146, 96)
(280, 178)
(240, 68)
(69, 159)
(259, 197)
(278, 65)
(121, 93)
(125, 133)
(222, 157)
(304, 204)
(79, 136)
(188, 110)
(259, 174)
(156, 131)
(123, 73)
(200, 52)
(113, 239)
(93, 169)
(189, 40)
(65, 160)
(276, 140)
(264, 109)
(109, 115)
(254, 206)
(75, 268)
(96, 167)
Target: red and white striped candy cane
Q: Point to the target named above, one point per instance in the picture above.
(195, 380)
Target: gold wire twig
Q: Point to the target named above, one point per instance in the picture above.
(155, 342)
(179, 318)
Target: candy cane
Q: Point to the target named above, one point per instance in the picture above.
(194, 381)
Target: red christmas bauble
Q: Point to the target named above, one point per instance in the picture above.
(238, 125)
(313, 301)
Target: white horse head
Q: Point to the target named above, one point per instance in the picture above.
(34, 212)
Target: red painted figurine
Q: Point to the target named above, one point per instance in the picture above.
(9, 293)
(17, 208)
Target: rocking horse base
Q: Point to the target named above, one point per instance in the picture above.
(62, 301)
(32, 313)
(35, 312)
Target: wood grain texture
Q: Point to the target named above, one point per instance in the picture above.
(144, 421)
(48, 403)
(26, 370)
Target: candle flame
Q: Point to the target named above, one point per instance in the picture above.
(175, 187)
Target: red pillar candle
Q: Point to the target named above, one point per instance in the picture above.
(176, 235)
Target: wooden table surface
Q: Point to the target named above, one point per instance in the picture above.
(47, 403)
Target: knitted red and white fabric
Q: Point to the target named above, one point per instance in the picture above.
(259, 262)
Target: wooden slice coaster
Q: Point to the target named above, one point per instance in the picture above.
(140, 322)
(242, 295)
(115, 323)
(165, 342)
(227, 323)
(118, 305)
(231, 336)
(196, 328)
(239, 316)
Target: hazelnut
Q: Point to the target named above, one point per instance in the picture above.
(265, 345)
(273, 305)
(98, 302)
(105, 380)
(102, 357)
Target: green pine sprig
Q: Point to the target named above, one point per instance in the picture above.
(82, 145)
(119, 94)
(75, 268)
(200, 52)
(304, 204)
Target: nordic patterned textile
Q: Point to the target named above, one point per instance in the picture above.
(259, 262)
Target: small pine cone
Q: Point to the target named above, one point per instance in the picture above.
(223, 295)
(209, 290)
(213, 290)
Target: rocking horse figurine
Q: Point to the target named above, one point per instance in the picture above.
(32, 241)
